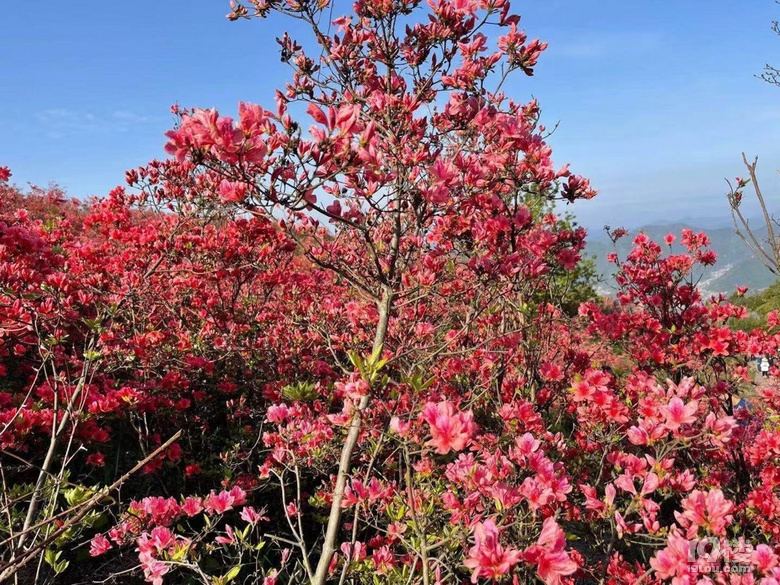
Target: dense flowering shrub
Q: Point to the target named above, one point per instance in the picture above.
(328, 342)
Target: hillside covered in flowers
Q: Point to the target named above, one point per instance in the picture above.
(349, 337)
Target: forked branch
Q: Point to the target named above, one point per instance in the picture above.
(765, 248)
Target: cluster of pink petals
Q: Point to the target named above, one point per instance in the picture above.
(549, 554)
(488, 558)
(153, 546)
(224, 500)
(679, 413)
(450, 430)
(208, 131)
(710, 510)
(674, 561)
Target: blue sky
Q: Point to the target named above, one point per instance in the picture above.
(656, 100)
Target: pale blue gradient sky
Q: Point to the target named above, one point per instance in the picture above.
(656, 100)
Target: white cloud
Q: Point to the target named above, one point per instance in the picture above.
(59, 123)
(130, 117)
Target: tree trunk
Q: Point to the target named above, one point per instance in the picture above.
(345, 462)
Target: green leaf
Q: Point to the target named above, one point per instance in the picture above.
(91, 355)
(51, 556)
(77, 495)
(300, 392)
(179, 554)
(356, 361)
(232, 574)
(93, 324)
(66, 536)
(374, 359)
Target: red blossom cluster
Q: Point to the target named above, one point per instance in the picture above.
(355, 308)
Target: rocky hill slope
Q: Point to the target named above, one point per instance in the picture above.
(736, 265)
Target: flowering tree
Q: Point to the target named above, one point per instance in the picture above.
(423, 171)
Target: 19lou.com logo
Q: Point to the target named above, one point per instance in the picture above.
(719, 555)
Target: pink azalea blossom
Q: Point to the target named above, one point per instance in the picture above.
(384, 560)
(99, 545)
(224, 501)
(549, 554)
(488, 558)
(400, 427)
(764, 558)
(673, 561)
(449, 431)
(232, 192)
(252, 516)
(161, 538)
(678, 413)
(229, 538)
(711, 511)
(192, 506)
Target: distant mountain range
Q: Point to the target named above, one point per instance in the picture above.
(736, 265)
